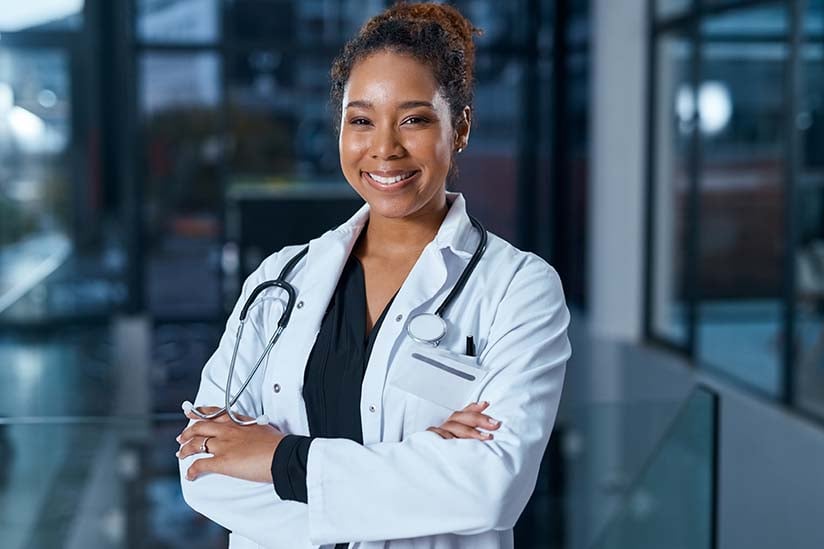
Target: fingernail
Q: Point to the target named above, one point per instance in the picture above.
(178, 438)
(177, 454)
(493, 421)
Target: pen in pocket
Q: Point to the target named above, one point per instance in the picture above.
(470, 346)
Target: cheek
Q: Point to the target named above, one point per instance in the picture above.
(351, 149)
(436, 150)
(443, 154)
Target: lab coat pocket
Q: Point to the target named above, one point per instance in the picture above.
(438, 376)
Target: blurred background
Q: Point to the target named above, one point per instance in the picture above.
(666, 156)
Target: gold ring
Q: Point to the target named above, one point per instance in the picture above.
(203, 448)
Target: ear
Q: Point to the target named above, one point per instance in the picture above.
(462, 128)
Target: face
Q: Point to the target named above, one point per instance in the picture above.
(397, 138)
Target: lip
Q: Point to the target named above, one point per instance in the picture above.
(394, 186)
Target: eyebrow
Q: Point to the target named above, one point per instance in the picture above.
(404, 106)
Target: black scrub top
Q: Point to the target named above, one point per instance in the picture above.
(332, 381)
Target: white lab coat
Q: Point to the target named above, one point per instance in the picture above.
(404, 487)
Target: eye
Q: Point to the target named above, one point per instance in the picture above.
(416, 120)
(359, 121)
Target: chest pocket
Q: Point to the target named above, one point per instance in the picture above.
(436, 382)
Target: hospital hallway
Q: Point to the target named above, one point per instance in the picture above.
(664, 157)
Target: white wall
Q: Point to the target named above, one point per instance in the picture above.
(616, 236)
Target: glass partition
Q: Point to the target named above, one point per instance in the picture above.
(621, 469)
(96, 482)
(671, 502)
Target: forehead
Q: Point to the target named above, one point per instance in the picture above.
(390, 78)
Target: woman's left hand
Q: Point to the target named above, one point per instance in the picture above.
(240, 452)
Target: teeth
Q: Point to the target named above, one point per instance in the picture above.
(389, 180)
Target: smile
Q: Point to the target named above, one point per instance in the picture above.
(384, 180)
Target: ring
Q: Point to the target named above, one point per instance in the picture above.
(203, 448)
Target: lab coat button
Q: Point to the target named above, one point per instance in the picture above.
(276, 387)
(372, 408)
(300, 304)
(398, 318)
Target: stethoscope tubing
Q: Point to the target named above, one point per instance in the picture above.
(280, 282)
(467, 272)
(229, 401)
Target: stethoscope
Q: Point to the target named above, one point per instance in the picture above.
(426, 328)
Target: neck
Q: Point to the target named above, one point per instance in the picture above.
(386, 236)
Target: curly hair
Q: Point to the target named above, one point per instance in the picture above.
(435, 34)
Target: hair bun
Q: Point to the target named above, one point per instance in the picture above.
(446, 16)
(434, 34)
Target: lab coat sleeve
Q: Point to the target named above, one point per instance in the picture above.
(425, 485)
(249, 509)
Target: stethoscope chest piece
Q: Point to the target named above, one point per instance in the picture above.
(427, 328)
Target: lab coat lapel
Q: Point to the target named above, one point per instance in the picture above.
(441, 262)
(324, 264)
(439, 266)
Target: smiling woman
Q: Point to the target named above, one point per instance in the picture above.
(397, 138)
(364, 444)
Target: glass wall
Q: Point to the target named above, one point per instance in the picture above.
(674, 127)
(808, 256)
(735, 209)
(742, 182)
(36, 180)
(62, 253)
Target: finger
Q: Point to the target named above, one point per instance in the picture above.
(194, 446)
(459, 430)
(475, 419)
(475, 406)
(203, 466)
(202, 429)
(442, 433)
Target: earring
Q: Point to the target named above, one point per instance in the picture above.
(460, 150)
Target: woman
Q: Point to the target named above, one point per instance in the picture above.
(360, 447)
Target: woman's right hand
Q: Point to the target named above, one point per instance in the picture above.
(467, 423)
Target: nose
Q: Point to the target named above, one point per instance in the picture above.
(387, 145)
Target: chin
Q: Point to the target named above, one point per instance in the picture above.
(391, 208)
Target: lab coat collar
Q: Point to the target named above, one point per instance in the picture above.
(427, 280)
(455, 232)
